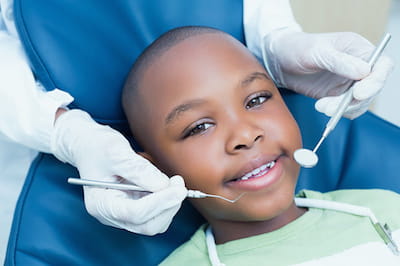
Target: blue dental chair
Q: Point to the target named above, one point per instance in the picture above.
(87, 48)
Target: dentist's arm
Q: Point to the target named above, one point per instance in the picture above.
(316, 65)
(27, 111)
(27, 116)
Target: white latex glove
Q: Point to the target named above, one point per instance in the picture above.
(101, 153)
(322, 66)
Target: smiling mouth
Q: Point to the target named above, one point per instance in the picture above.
(259, 171)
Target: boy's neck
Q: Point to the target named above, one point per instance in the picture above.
(225, 231)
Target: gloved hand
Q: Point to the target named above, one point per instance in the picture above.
(101, 153)
(322, 66)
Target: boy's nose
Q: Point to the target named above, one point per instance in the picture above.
(244, 136)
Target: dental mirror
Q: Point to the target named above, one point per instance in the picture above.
(306, 158)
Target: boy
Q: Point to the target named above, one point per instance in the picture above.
(201, 106)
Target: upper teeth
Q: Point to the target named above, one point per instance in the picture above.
(257, 170)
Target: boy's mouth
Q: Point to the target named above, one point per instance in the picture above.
(259, 177)
(259, 171)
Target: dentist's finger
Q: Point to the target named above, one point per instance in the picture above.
(371, 85)
(329, 105)
(141, 172)
(116, 208)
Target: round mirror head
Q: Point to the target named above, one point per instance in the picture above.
(306, 158)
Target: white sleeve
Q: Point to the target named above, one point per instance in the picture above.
(27, 112)
(7, 17)
(261, 17)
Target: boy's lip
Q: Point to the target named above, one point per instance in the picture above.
(257, 174)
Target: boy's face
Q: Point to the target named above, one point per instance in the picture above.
(214, 117)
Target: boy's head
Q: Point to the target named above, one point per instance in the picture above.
(201, 106)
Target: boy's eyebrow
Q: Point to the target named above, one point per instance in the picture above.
(193, 103)
(182, 108)
(250, 78)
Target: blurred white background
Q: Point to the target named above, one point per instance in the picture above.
(387, 105)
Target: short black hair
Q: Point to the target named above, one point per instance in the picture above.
(130, 92)
(154, 51)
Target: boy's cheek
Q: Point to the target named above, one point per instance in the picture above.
(179, 163)
(200, 171)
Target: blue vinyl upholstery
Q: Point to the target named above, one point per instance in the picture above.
(86, 48)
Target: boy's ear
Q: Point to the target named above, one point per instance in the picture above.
(146, 156)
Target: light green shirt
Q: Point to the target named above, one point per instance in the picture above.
(318, 237)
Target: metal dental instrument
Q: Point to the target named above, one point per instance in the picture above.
(308, 158)
(120, 186)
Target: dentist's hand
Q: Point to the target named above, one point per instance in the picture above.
(322, 66)
(101, 153)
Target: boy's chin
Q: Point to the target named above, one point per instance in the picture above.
(254, 213)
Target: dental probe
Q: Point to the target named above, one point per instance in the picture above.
(308, 158)
(197, 194)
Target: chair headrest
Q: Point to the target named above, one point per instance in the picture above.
(87, 47)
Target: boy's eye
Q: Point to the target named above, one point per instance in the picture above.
(257, 100)
(197, 129)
